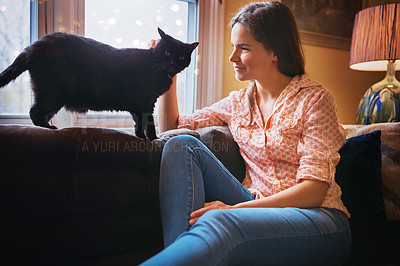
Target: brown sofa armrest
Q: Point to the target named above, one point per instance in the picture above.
(220, 141)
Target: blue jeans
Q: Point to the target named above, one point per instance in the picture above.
(191, 175)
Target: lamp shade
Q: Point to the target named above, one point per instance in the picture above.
(376, 38)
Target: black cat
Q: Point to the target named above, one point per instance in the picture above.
(83, 74)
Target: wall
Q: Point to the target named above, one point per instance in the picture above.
(328, 66)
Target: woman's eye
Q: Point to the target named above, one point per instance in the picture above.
(167, 53)
(181, 58)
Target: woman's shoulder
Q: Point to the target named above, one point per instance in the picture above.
(312, 93)
(305, 81)
(310, 86)
(238, 100)
(238, 95)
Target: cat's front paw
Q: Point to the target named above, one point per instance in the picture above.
(140, 135)
(151, 136)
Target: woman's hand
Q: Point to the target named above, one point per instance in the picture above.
(194, 216)
(153, 43)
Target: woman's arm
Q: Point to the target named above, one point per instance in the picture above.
(168, 111)
(307, 194)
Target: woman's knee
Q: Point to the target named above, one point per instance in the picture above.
(217, 223)
(179, 143)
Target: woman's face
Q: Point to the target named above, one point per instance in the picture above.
(251, 60)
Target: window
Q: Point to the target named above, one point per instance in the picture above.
(23, 20)
(133, 24)
(17, 30)
(120, 23)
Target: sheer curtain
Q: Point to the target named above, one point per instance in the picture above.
(60, 15)
(64, 16)
(211, 38)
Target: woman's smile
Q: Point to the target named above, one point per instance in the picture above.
(239, 68)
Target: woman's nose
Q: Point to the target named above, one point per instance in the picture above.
(234, 57)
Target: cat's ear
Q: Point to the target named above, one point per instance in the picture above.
(163, 35)
(193, 46)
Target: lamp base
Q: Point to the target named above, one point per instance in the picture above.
(379, 106)
(381, 102)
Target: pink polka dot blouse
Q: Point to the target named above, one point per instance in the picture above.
(299, 141)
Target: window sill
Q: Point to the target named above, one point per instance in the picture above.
(22, 119)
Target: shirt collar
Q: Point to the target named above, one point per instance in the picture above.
(295, 85)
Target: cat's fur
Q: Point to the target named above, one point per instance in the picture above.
(83, 74)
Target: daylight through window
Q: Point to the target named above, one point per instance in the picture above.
(119, 23)
(134, 24)
(15, 98)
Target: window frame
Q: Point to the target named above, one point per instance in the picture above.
(41, 20)
(193, 36)
(24, 119)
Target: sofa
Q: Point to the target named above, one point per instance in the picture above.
(89, 196)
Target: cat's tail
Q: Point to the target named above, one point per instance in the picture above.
(14, 70)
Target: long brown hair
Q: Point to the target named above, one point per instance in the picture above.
(272, 24)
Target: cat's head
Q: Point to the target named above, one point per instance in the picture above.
(173, 54)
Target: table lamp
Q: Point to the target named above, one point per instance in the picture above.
(375, 46)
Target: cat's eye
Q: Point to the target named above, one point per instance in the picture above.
(181, 58)
(167, 53)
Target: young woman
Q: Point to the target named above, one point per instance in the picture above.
(288, 209)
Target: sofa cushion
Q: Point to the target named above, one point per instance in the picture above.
(390, 148)
(359, 175)
(220, 141)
